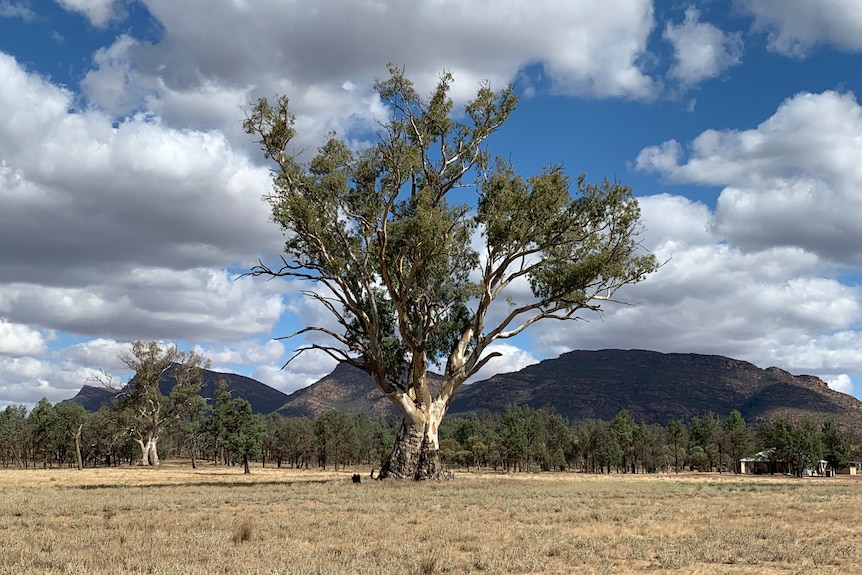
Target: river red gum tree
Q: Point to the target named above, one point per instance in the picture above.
(145, 408)
(382, 244)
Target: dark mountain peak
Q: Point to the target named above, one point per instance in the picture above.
(342, 368)
(92, 398)
(631, 356)
(814, 380)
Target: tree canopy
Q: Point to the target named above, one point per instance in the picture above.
(388, 241)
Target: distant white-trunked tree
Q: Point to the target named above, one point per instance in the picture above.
(146, 409)
(387, 250)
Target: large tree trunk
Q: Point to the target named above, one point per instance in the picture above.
(153, 452)
(143, 446)
(416, 454)
(149, 451)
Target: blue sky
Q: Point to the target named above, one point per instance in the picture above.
(131, 197)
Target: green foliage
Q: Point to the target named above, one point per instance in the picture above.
(237, 433)
(246, 431)
(14, 436)
(513, 436)
(188, 412)
(44, 424)
(704, 435)
(336, 437)
(519, 439)
(385, 237)
(145, 408)
(836, 446)
(736, 437)
(622, 428)
(296, 441)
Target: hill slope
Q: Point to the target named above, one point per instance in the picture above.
(347, 389)
(656, 388)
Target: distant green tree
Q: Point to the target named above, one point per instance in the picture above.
(622, 427)
(71, 419)
(536, 429)
(736, 438)
(270, 450)
(513, 437)
(836, 446)
(217, 426)
(775, 439)
(678, 439)
(334, 432)
(384, 438)
(188, 411)
(14, 436)
(108, 433)
(559, 440)
(365, 448)
(465, 458)
(449, 449)
(806, 446)
(703, 433)
(44, 424)
(608, 453)
(298, 440)
(648, 447)
(470, 426)
(246, 432)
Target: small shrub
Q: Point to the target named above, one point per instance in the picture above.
(244, 533)
(428, 565)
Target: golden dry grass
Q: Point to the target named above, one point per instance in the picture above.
(175, 520)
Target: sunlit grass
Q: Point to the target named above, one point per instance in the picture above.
(215, 520)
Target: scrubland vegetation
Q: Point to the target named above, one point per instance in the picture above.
(175, 520)
(519, 439)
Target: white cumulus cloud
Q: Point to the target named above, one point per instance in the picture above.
(791, 181)
(842, 383)
(701, 51)
(795, 26)
(97, 12)
(18, 340)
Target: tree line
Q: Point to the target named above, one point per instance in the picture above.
(520, 439)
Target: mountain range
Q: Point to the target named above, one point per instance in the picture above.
(263, 398)
(654, 387)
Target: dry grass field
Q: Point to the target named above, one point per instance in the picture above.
(175, 520)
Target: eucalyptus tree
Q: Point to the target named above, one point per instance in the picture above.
(387, 239)
(142, 401)
(247, 432)
(71, 419)
(188, 411)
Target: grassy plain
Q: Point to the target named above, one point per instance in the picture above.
(176, 520)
